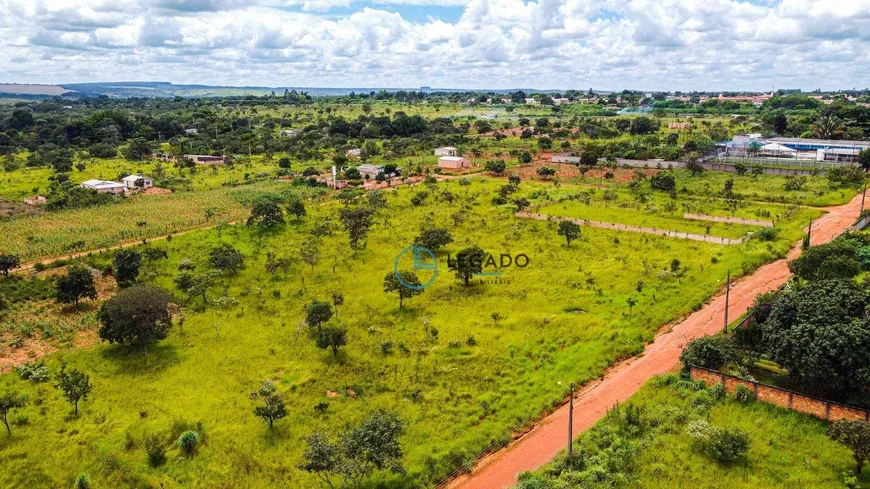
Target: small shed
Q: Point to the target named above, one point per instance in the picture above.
(445, 151)
(452, 162)
(130, 182)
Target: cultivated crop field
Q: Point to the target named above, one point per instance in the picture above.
(134, 218)
(460, 365)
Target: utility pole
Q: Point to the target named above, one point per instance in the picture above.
(571, 422)
(727, 299)
(809, 233)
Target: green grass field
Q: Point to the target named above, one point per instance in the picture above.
(787, 450)
(458, 389)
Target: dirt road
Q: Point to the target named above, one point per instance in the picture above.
(549, 436)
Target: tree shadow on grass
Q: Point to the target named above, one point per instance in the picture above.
(278, 435)
(132, 360)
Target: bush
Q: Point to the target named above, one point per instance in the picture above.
(156, 451)
(188, 441)
(744, 395)
(767, 233)
(34, 372)
(708, 352)
(722, 444)
(82, 481)
(663, 181)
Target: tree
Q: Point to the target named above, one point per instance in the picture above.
(864, 159)
(8, 263)
(333, 337)
(377, 199)
(467, 263)
(856, 436)
(521, 203)
(318, 313)
(708, 352)
(266, 214)
(9, 402)
(310, 251)
(357, 222)
(226, 258)
(663, 181)
(126, 267)
(296, 207)
(371, 445)
(406, 284)
(434, 238)
(76, 386)
(820, 333)
(525, 157)
(77, 284)
(545, 171)
(495, 166)
(570, 230)
(837, 259)
(138, 316)
(337, 301)
(273, 407)
(197, 285)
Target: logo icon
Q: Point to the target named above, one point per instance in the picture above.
(424, 261)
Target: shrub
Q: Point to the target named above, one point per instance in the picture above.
(188, 442)
(663, 181)
(82, 481)
(156, 451)
(744, 395)
(34, 372)
(767, 233)
(708, 352)
(722, 444)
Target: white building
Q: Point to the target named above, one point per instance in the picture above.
(445, 151)
(452, 162)
(104, 186)
(289, 133)
(370, 171)
(353, 153)
(531, 101)
(560, 101)
(191, 131)
(130, 182)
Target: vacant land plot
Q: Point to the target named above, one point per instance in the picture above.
(645, 444)
(461, 365)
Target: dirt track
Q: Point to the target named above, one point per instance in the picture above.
(548, 437)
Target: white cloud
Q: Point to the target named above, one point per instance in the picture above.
(643, 44)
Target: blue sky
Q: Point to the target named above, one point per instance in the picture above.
(475, 44)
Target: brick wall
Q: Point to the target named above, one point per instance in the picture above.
(795, 401)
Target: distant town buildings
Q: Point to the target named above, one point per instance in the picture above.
(754, 145)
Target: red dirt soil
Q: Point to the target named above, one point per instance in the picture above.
(548, 437)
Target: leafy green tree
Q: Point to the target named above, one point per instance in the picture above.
(126, 266)
(495, 166)
(708, 352)
(864, 159)
(467, 263)
(377, 199)
(546, 171)
(333, 337)
(820, 333)
(856, 436)
(310, 251)
(226, 258)
(197, 284)
(570, 230)
(77, 284)
(835, 260)
(266, 214)
(138, 316)
(371, 445)
(75, 385)
(357, 222)
(9, 402)
(318, 313)
(392, 284)
(434, 238)
(273, 407)
(8, 263)
(296, 207)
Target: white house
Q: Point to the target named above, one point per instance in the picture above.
(191, 131)
(130, 182)
(532, 101)
(353, 153)
(452, 162)
(104, 186)
(370, 171)
(560, 101)
(445, 151)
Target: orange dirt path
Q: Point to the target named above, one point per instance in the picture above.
(549, 436)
